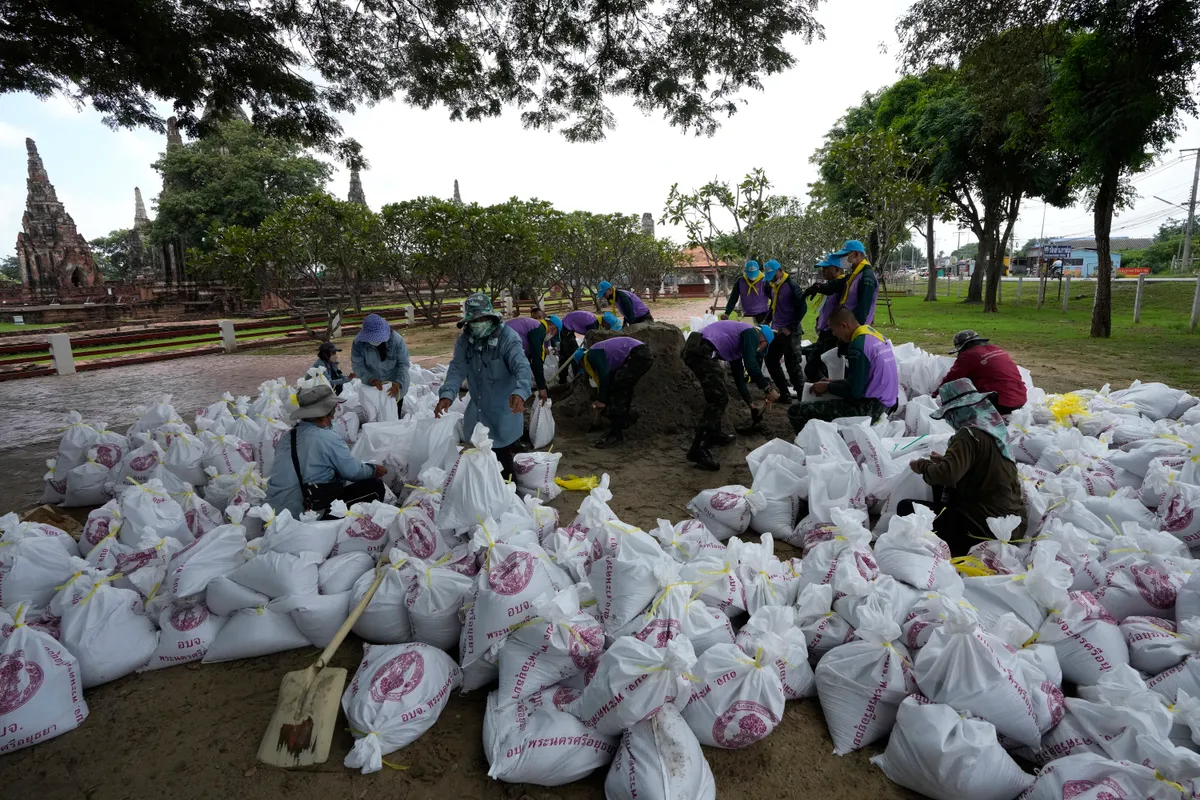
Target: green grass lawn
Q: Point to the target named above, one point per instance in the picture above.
(1056, 345)
(6, 327)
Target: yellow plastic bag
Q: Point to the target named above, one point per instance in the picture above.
(574, 483)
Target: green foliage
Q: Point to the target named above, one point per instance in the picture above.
(1159, 255)
(722, 219)
(114, 255)
(966, 252)
(234, 176)
(297, 63)
(10, 269)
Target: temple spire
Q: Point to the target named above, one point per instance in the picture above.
(140, 218)
(356, 194)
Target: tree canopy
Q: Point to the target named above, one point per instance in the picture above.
(294, 64)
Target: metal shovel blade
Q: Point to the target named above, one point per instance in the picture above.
(305, 717)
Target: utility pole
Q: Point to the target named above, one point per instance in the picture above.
(1187, 235)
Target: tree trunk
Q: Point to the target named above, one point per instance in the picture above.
(982, 259)
(931, 284)
(1106, 196)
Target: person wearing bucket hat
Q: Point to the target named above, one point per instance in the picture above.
(379, 357)
(630, 306)
(832, 285)
(990, 368)
(327, 361)
(872, 383)
(742, 346)
(753, 289)
(861, 289)
(978, 466)
(536, 336)
(313, 466)
(489, 357)
(788, 308)
(615, 366)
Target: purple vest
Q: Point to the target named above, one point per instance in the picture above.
(726, 338)
(523, 325)
(616, 350)
(755, 299)
(882, 379)
(579, 321)
(787, 310)
(639, 308)
(852, 300)
(828, 306)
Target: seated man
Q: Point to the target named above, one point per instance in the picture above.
(871, 385)
(978, 465)
(990, 368)
(616, 365)
(313, 466)
(327, 360)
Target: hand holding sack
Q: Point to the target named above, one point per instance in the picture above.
(633, 681)
(911, 552)
(541, 424)
(535, 742)
(737, 700)
(660, 759)
(397, 694)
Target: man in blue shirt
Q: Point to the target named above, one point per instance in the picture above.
(327, 360)
(322, 461)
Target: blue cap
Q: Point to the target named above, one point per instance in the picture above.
(578, 355)
(612, 321)
(766, 331)
(556, 321)
(770, 268)
(829, 261)
(603, 288)
(751, 268)
(851, 246)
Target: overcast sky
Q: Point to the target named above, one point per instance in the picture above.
(414, 152)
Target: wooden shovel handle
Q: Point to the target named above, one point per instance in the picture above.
(344, 631)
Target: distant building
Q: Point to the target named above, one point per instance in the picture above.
(1083, 260)
(696, 274)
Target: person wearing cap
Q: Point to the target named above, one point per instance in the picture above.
(630, 306)
(574, 325)
(831, 287)
(990, 368)
(978, 466)
(788, 308)
(861, 288)
(327, 361)
(615, 366)
(742, 346)
(754, 292)
(488, 356)
(872, 383)
(379, 355)
(313, 466)
(535, 338)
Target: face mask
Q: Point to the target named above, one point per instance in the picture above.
(480, 328)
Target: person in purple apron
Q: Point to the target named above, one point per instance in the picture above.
(787, 317)
(861, 287)
(574, 325)
(871, 385)
(754, 292)
(632, 309)
(535, 335)
(742, 346)
(615, 366)
(831, 288)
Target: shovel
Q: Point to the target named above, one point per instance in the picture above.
(302, 726)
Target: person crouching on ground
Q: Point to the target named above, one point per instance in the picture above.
(379, 356)
(536, 336)
(871, 385)
(989, 368)
(787, 315)
(574, 325)
(488, 356)
(630, 306)
(615, 365)
(327, 361)
(978, 466)
(742, 346)
(754, 292)
(313, 466)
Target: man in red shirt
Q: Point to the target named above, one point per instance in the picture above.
(989, 368)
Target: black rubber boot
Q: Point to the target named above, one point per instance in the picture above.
(719, 439)
(700, 455)
(611, 440)
(755, 426)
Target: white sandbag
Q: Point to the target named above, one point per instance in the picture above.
(835, 364)
(415, 532)
(385, 619)
(185, 459)
(224, 596)
(366, 527)
(227, 454)
(737, 700)
(1178, 513)
(780, 483)
(318, 616)
(11, 524)
(284, 534)
(338, 573)
(54, 484)
(156, 415)
(86, 483)
(139, 464)
(998, 554)
(1087, 776)
(541, 424)
(925, 616)
(78, 438)
(763, 577)
(1159, 477)
(793, 454)
(1154, 644)
(377, 404)
(717, 583)
(199, 515)
(1141, 575)
(1086, 638)
(254, 632)
(474, 488)
(861, 684)
(271, 430)
(679, 611)
(822, 440)
(685, 540)
(630, 570)
(823, 628)
(149, 507)
(144, 569)
(833, 486)
(535, 473)
(186, 630)
(996, 595)
(434, 597)
(884, 595)
(593, 510)
(396, 695)
(542, 518)
(660, 758)
(633, 681)
(911, 552)
(841, 560)
(1155, 400)
(726, 511)
(31, 569)
(935, 751)
(42, 696)
(1120, 507)
(974, 672)
(1184, 676)
(217, 553)
(279, 574)
(106, 630)
(791, 665)
(559, 642)
(534, 742)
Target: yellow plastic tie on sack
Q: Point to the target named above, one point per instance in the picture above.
(971, 567)
(99, 583)
(1177, 786)
(574, 483)
(1068, 405)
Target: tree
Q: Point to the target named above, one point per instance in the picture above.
(296, 63)
(234, 176)
(424, 247)
(504, 246)
(115, 256)
(588, 248)
(10, 268)
(966, 252)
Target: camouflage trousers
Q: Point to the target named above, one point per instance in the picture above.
(624, 379)
(701, 359)
(828, 410)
